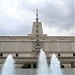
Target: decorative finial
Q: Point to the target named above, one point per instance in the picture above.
(37, 15)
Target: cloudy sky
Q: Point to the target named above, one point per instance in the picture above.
(17, 16)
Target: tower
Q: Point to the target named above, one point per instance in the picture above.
(37, 32)
(37, 27)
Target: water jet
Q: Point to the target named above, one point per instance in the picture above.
(43, 68)
(55, 66)
(8, 66)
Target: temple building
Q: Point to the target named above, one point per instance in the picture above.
(25, 49)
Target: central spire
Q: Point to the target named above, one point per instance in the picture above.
(37, 27)
(37, 15)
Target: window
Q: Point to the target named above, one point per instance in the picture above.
(1, 54)
(34, 65)
(62, 66)
(36, 25)
(73, 54)
(16, 54)
(37, 35)
(58, 55)
(26, 66)
(36, 30)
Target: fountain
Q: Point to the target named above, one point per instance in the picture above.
(42, 64)
(55, 66)
(43, 69)
(8, 67)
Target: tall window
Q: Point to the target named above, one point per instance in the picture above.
(73, 54)
(1, 54)
(58, 54)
